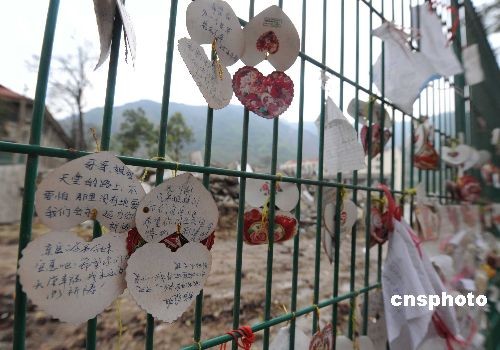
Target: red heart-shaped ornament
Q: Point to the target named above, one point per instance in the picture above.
(376, 137)
(255, 230)
(268, 96)
(322, 339)
(427, 158)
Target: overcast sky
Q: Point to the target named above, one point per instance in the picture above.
(21, 32)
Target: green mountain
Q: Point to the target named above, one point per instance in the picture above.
(227, 132)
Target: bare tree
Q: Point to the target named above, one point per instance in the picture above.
(68, 83)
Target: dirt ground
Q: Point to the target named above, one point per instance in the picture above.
(45, 333)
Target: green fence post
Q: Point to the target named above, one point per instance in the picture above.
(37, 121)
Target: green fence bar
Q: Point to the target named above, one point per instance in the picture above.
(319, 209)
(445, 107)
(32, 168)
(298, 174)
(91, 341)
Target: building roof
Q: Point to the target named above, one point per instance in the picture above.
(8, 94)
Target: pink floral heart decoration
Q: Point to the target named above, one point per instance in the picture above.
(268, 96)
(376, 136)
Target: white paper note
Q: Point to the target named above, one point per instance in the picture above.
(71, 279)
(128, 30)
(406, 72)
(282, 340)
(68, 195)
(377, 330)
(207, 20)
(164, 283)
(433, 43)
(180, 200)
(105, 11)
(403, 273)
(213, 79)
(455, 156)
(105, 15)
(472, 64)
(271, 32)
(258, 191)
(343, 152)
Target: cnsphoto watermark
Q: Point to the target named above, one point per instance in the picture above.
(432, 301)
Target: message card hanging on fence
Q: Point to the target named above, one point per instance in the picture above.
(406, 72)
(323, 339)
(105, 11)
(209, 20)
(348, 216)
(267, 96)
(212, 78)
(433, 44)
(166, 283)
(377, 329)
(182, 204)
(256, 226)
(343, 152)
(105, 16)
(97, 186)
(71, 279)
(282, 340)
(258, 192)
(474, 73)
(271, 35)
(455, 156)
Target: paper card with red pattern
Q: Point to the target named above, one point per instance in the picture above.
(209, 20)
(323, 339)
(256, 228)
(267, 96)
(348, 216)
(428, 221)
(271, 34)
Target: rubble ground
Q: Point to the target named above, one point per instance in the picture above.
(48, 333)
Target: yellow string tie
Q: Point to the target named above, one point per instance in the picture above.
(316, 310)
(96, 140)
(354, 321)
(199, 344)
(176, 169)
(343, 194)
(146, 170)
(216, 60)
(93, 214)
(265, 212)
(120, 324)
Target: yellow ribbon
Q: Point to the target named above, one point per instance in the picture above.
(120, 324)
(343, 194)
(216, 60)
(355, 342)
(146, 170)
(96, 140)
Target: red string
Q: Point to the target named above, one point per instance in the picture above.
(394, 211)
(243, 336)
(444, 332)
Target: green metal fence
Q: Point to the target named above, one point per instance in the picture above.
(439, 100)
